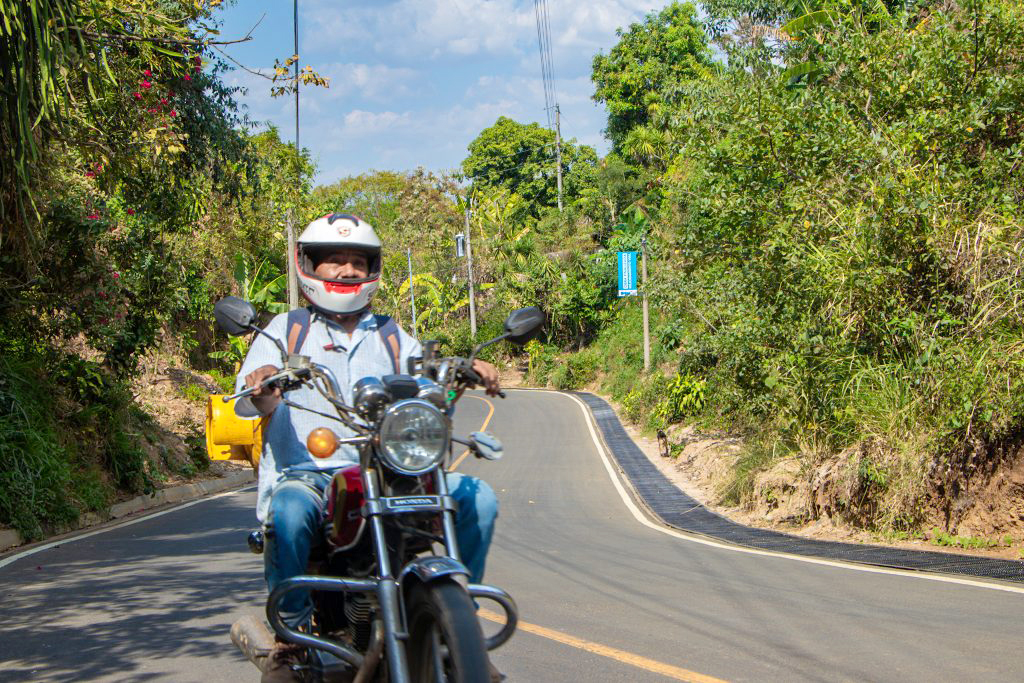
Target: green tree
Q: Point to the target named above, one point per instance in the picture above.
(650, 60)
(374, 196)
(73, 74)
(521, 159)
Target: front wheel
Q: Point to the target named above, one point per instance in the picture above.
(445, 643)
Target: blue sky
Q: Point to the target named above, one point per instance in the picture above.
(414, 81)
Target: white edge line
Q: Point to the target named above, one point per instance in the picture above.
(71, 539)
(646, 521)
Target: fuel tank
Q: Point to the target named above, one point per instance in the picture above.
(343, 508)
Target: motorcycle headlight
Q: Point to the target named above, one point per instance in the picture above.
(413, 436)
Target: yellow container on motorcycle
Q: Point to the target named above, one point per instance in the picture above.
(229, 437)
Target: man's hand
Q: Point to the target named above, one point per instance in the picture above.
(489, 374)
(264, 398)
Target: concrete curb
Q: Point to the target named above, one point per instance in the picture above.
(9, 538)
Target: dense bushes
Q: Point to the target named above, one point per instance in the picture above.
(69, 439)
(129, 187)
(850, 248)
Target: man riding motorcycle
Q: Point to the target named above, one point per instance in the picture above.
(338, 263)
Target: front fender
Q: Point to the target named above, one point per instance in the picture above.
(427, 570)
(431, 568)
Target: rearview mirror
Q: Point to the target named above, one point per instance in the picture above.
(523, 324)
(233, 315)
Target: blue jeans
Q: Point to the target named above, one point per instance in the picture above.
(297, 512)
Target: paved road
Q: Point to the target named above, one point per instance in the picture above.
(603, 597)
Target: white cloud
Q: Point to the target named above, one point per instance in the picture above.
(418, 29)
(359, 122)
(414, 81)
(415, 29)
(377, 82)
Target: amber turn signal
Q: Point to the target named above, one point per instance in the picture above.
(322, 442)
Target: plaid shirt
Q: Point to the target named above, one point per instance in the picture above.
(352, 358)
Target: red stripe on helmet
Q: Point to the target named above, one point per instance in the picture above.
(339, 288)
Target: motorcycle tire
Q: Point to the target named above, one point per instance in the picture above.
(445, 642)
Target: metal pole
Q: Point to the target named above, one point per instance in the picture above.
(293, 281)
(412, 294)
(647, 328)
(558, 153)
(295, 9)
(472, 300)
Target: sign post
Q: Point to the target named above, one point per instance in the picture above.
(627, 273)
(628, 287)
(647, 326)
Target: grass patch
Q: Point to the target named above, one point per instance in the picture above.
(941, 538)
(895, 536)
(225, 381)
(195, 392)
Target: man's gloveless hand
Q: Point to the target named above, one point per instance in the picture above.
(489, 374)
(264, 398)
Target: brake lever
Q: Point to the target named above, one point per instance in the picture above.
(270, 381)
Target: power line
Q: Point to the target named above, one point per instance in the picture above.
(547, 64)
(547, 70)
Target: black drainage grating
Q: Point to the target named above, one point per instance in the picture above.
(679, 510)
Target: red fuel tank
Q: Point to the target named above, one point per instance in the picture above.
(343, 508)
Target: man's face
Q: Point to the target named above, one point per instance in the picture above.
(343, 263)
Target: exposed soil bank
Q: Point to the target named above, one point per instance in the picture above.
(787, 498)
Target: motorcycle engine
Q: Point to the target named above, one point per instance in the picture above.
(358, 611)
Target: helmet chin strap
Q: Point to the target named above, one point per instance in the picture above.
(346, 320)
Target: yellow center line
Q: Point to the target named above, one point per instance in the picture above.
(482, 428)
(657, 667)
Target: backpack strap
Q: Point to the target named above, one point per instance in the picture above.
(300, 319)
(388, 329)
(298, 327)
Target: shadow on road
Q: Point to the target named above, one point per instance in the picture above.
(133, 603)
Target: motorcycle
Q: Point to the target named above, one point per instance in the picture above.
(386, 606)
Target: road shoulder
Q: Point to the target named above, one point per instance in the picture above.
(10, 539)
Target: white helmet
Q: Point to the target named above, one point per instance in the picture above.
(328, 234)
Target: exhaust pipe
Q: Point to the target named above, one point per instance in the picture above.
(254, 639)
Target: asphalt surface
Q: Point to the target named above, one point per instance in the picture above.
(602, 597)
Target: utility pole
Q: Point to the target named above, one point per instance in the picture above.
(293, 282)
(289, 258)
(558, 154)
(469, 261)
(412, 294)
(643, 285)
(295, 10)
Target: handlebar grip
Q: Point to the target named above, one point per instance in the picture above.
(501, 394)
(471, 375)
(269, 383)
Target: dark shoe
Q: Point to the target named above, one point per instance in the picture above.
(282, 664)
(496, 676)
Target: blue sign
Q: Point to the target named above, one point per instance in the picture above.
(627, 273)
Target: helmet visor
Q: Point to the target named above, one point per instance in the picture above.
(311, 256)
